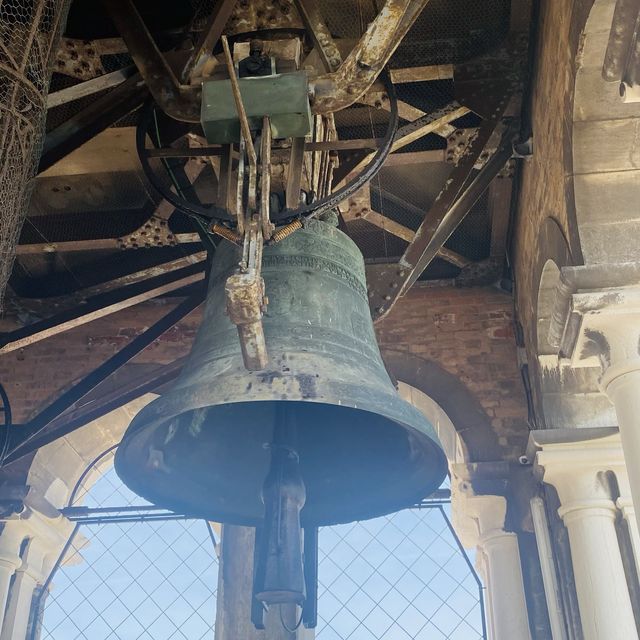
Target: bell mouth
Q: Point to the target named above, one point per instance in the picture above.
(212, 462)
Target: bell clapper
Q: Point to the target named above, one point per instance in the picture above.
(279, 577)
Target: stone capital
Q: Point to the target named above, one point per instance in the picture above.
(477, 519)
(596, 318)
(574, 461)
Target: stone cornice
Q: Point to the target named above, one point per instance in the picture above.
(587, 299)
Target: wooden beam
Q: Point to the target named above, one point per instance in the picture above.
(393, 227)
(422, 74)
(415, 157)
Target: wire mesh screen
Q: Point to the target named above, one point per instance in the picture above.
(29, 32)
(132, 570)
(399, 577)
(132, 573)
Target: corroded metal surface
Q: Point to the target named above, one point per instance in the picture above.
(335, 91)
(363, 450)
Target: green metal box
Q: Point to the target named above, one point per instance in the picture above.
(284, 98)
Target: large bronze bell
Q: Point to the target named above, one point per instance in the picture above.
(205, 448)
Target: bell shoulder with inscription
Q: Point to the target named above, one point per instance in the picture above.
(203, 448)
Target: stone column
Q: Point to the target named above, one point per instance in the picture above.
(576, 467)
(596, 323)
(28, 575)
(46, 538)
(479, 522)
(10, 541)
(621, 383)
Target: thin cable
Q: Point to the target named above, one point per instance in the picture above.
(317, 208)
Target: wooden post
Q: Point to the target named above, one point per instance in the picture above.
(233, 616)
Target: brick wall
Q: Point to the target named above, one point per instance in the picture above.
(35, 375)
(466, 331)
(469, 333)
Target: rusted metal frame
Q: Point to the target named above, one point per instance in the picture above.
(294, 175)
(70, 246)
(451, 206)
(334, 91)
(179, 101)
(97, 404)
(407, 111)
(24, 435)
(90, 87)
(453, 202)
(322, 39)
(101, 305)
(405, 233)
(407, 134)
(93, 119)
(209, 37)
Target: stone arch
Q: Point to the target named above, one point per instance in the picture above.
(56, 468)
(606, 152)
(478, 442)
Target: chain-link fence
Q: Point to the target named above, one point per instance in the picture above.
(29, 33)
(134, 571)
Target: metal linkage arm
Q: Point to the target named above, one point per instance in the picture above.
(340, 89)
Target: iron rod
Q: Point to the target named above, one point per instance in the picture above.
(36, 426)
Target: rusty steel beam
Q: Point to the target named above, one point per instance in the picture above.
(23, 436)
(322, 39)
(456, 198)
(100, 244)
(181, 102)
(429, 123)
(102, 305)
(89, 87)
(99, 402)
(340, 89)
(209, 37)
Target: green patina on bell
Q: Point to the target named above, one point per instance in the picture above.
(205, 447)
